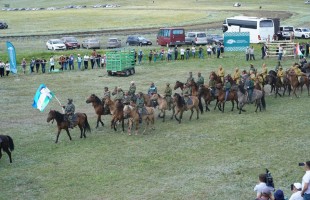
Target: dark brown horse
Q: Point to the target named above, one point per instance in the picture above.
(194, 87)
(147, 100)
(178, 84)
(215, 77)
(117, 112)
(180, 107)
(205, 93)
(220, 102)
(304, 80)
(99, 108)
(63, 123)
(7, 145)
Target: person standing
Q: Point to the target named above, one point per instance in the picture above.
(296, 189)
(79, 61)
(71, 62)
(200, 52)
(169, 54)
(52, 63)
(38, 62)
(193, 51)
(307, 49)
(92, 61)
(86, 58)
(264, 51)
(280, 52)
(252, 57)
(43, 64)
(24, 64)
(305, 192)
(32, 63)
(209, 50)
(182, 52)
(187, 52)
(2, 65)
(218, 50)
(150, 56)
(140, 56)
(176, 52)
(247, 53)
(7, 68)
(98, 59)
(155, 55)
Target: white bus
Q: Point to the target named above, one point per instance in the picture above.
(260, 29)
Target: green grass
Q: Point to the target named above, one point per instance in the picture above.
(218, 156)
(186, 161)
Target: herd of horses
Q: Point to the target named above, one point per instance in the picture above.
(121, 113)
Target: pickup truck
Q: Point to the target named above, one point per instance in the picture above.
(302, 33)
(285, 32)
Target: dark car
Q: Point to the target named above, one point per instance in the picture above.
(71, 42)
(3, 25)
(214, 38)
(138, 40)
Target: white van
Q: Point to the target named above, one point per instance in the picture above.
(196, 38)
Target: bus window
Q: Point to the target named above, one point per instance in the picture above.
(266, 23)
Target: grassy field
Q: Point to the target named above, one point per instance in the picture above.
(218, 156)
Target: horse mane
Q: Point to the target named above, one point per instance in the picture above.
(119, 106)
(241, 89)
(97, 100)
(159, 96)
(179, 100)
(58, 116)
(272, 72)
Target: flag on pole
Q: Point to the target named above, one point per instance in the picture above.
(12, 56)
(298, 52)
(42, 97)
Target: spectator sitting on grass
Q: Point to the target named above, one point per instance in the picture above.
(261, 185)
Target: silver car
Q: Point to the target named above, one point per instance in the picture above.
(91, 43)
(55, 44)
(114, 43)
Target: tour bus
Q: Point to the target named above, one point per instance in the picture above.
(171, 36)
(260, 29)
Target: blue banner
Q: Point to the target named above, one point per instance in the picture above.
(236, 41)
(12, 57)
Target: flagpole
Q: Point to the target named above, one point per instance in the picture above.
(63, 110)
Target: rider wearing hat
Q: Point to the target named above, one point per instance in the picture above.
(152, 90)
(200, 80)
(119, 94)
(221, 73)
(168, 93)
(186, 93)
(140, 105)
(132, 90)
(69, 112)
(190, 78)
(236, 76)
(106, 94)
(280, 73)
(264, 70)
(227, 87)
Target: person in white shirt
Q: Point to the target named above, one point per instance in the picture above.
(209, 50)
(261, 185)
(86, 58)
(7, 68)
(182, 52)
(305, 192)
(296, 189)
(193, 51)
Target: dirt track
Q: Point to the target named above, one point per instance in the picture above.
(203, 26)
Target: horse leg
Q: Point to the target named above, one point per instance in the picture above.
(68, 133)
(58, 136)
(223, 103)
(9, 154)
(173, 112)
(123, 124)
(164, 115)
(0, 153)
(192, 111)
(233, 105)
(197, 113)
(217, 101)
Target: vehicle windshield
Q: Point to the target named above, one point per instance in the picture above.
(305, 30)
(71, 40)
(57, 42)
(201, 35)
(141, 38)
(113, 40)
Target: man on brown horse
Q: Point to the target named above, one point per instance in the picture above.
(221, 73)
(212, 84)
(140, 105)
(200, 80)
(69, 112)
(186, 93)
(168, 93)
(106, 94)
(280, 74)
(132, 90)
(236, 76)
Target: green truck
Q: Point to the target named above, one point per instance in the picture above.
(120, 63)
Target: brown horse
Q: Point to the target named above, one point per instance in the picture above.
(147, 100)
(178, 84)
(205, 93)
(220, 102)
(180, 107)
(304, 80)
(162, 105)
(7, 145)
(63, 123)
(194, 87)
(215, 77)
(99, 108)
(131, 113)
(116, 109)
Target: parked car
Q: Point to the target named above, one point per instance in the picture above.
(71, 42)
(91, 43)
(307, 2)
(285, 32)
(3, 25)
(196, 38)
(138, 40)
(55, 44)
(214, 38)
(302, 33)
(114, 43)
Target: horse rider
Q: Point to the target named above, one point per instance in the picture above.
(298, 72)
(227, 87)
(119, 94)
(212, 84)
(252, 75)
(236, 76)
(252, 69)
(132, 90)
(250, 89)
(126, 99)
(69, 112)
(152, 90)
(186, 93)
(190, 78)
(280, 74)
(221, 73)
(140, 105)
(106, 94)
(168, 93)
(260, 79)
(264, 71)
(200, 80)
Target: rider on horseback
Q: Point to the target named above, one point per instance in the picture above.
(227, 87)
(106, 94)
(119, 94)
(168, 93)
(152, 90)
(69, 112)
(280, 74)
(236, 76)
(132, 90)
(221, 73)
(200, 80)
(140, 105)
(126, 99)
(264, 71)
(186, 93)
(212, 86)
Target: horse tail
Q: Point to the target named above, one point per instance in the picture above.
(263, 101)
(86, 126)
(11, 143)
